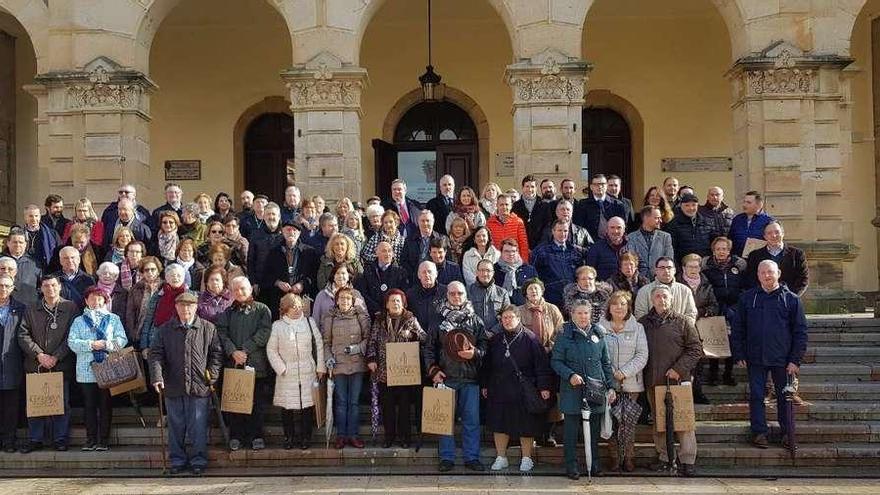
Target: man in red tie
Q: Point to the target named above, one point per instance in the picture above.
(407, 208)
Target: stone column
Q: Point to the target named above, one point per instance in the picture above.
(325, 99)
(548, 98)
(792, 142)
(93, 131)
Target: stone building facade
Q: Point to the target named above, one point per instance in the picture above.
(108, 91)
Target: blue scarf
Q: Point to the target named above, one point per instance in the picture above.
(100, 329)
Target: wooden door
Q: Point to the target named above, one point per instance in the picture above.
(268, 147)
(608, 145)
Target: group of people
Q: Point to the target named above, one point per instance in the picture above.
(571, 295)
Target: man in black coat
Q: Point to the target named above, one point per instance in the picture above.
(615, 191)
(111, 213)
(417, 247)
(422, 297)
(12, 313)
(27, 271)
(791, 260)
(542, 213)
(447, 271)
(54, 217)
(173, 202)
(691, 232)
(74, 281)
(441, 206)
(407, 208)
(291, 267)
(380, 276)
(41, 240)
(594, 211)
(126, 216)
(525, 205)
(263, 241)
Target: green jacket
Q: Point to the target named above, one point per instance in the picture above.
(585, 355)
(246, 329)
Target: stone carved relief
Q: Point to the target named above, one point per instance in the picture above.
(549, 84)
(101, 93)
(783, 78)
(323, 90)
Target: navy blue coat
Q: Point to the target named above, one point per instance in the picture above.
(587, 213)
(728, 282)
(587, 356)
(769, 329)
(556, 268)
(423, 303)
(11, 362)
(523, 273)
(446, 273)
(690, 235)
(741, 229)
(604, 258)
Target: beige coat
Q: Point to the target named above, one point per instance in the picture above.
(290, 354)
(553, 322)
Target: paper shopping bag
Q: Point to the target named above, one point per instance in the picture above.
(683, 408)
(751, 245)
(45, 394)
(238, 391)
(713, 334)
(402, 364)
(438, 410)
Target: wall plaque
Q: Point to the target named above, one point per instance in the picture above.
(183, 170)
(504, 164)
(699, 164)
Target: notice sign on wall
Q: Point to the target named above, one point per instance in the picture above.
(504, 164)
(700, 164)
(183, 170)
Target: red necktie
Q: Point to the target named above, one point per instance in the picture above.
(404, 215)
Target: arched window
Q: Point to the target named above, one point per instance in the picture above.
(430, 141)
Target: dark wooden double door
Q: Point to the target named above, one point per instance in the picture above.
(268, 149)
(607, 144)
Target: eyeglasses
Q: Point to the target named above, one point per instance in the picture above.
(600, 183)
(456, 293)
(216, 231)
(665, 267)
(123, 191)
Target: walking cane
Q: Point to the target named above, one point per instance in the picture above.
(162, 428)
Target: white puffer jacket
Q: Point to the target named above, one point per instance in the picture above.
(290, 354)
(629, 352)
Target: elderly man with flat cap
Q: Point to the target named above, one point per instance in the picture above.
(185, 361)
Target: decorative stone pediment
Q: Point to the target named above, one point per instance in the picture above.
(102, 84)
(324, 84)
(549, 77)
(324, 59)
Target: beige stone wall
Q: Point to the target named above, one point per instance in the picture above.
(678, 89)
(859, 198)
(212, 60)
(28, 187)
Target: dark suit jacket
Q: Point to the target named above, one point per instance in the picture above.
(140, 230)
(793, 266)
(412, 250)
(440, 210)
(542, 215)
(587, 211)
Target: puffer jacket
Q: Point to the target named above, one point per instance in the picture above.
(769, 329)
(408, 330)
(342, 330)
(629, 353)
(582, 354)
(690, 235)
(728, 280)
(180, 356)
(487, 301)
(704, 297)
(556, 267)
(436, 359)
(296, 354)
(246, 327)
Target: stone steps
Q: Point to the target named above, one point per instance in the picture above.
(707, 432)
(842, 354)
(847, 372)
(709, 454)
(839, 411)
(864, 391)
(844, 339)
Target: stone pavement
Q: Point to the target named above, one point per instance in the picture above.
(431, 484)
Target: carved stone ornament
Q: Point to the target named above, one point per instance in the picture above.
(100, 92)
(783, 78)
(321, 88)
(549, 84)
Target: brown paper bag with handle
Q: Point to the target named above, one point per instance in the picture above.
(44, 394)
(438, 410)
(713, 335)
(402, 366)
(751, 245)
(684, 418)
(238, 391)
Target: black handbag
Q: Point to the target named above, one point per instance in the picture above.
(594, 391)
(535, 404)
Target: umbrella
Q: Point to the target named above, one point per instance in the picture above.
(627, 412)
(790, 391)
(215, 401)
(588, 452)
(136, 405)
(375, 414)
(671, 456)
(328, 414)
(162, 439)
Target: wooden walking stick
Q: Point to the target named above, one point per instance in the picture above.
(162, 428)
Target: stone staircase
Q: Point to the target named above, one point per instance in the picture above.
(838, 429)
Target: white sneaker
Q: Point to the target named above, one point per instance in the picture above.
(526, 465)
(500, 463)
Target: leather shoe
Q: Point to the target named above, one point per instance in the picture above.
(356, 442)
(9, 449)
(446, 466)
(29, 447)
(387, 443)
(628, 465)
(759, 440)
(198, 470)
(176, 470)
(688, 470)
(340, 443)
(475, 466)
(573, 475)
(404, 444)
(701, 399)
(60, 447)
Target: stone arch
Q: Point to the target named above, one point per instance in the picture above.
(150, 19)
(270, 104)
(732, 13)
(369, 11)
(33, 16)
(461, 99)
(603, 98)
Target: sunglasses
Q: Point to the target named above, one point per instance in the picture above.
(216, 231)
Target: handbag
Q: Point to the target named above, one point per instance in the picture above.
(594, 391)
(535, 404)
(116, 369)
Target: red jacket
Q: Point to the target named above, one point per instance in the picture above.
(513, 228)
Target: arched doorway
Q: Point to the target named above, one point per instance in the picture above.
(430, 141)
(268, 148)
(607, 145)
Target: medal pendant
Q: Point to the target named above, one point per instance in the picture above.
(53, 326)
(507, 353)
